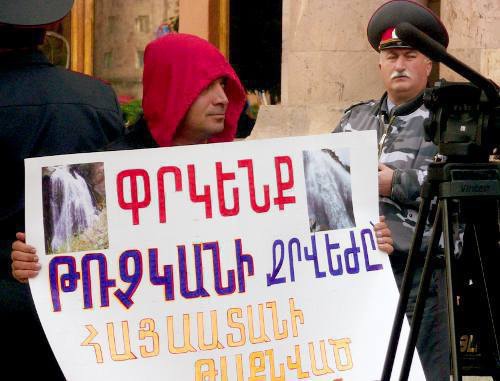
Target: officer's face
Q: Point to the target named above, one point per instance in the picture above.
(206, 115)
(404, 72)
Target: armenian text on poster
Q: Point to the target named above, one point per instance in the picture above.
(252, 260)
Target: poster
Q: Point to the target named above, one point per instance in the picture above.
(252, 260)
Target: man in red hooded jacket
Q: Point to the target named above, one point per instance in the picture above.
(191, 95)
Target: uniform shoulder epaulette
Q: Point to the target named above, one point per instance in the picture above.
(370, 102)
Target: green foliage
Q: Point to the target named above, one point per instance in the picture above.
(94, 238)
(174, 23)
(132, 111)
(253, 110)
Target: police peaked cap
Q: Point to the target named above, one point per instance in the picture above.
(386, 18)
(33, 13)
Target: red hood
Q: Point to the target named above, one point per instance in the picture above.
(177, 68)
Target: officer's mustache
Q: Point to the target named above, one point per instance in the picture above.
(398, 74)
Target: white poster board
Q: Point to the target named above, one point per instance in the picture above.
(238, 261)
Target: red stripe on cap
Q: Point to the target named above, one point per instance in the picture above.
(387, 35)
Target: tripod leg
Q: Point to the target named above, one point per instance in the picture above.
(404, 293)
(484, 237)
(421, 296)
(448, 250)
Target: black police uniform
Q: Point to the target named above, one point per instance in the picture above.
(44, 110)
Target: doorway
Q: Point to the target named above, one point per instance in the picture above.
(255, 38)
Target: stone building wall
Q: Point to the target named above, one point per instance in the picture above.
(475, 35)
(122, 30)
(328, 64)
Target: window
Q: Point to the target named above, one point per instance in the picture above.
(139, 59)
(255, 45)
(108, 58)
(142, 24)
(112, 24)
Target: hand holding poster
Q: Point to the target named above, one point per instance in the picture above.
(244, 261)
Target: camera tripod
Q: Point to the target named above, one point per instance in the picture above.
(471, 192)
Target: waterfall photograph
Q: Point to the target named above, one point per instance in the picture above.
(74, 208)
(328, 188)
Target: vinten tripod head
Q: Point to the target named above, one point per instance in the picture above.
(464, 117)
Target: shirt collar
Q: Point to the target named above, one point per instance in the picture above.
(386, 106)
(20, 58)
(390, 104)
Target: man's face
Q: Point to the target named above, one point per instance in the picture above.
(404, 72)
(206, 115)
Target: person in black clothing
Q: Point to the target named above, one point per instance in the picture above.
(44, 110)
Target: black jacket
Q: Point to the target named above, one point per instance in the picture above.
(137, 136)
(46, 110)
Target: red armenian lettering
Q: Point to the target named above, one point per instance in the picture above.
(161, 188)
(248, 164)
(221, 177)
(134, 204)
(281, 200)
(195, 197)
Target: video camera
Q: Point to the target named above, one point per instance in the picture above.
(464, 117)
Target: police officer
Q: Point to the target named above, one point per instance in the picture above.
(44, 110)
(404, 156)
